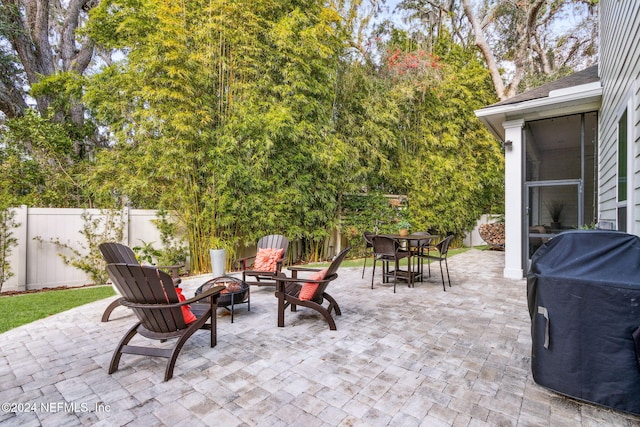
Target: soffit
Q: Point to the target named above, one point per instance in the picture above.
(578, 93)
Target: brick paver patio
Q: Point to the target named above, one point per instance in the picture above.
(420, 357)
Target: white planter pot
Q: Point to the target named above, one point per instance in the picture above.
(218, 261)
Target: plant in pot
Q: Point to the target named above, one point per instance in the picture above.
(218, 255)
(403, 227)
(555, 208)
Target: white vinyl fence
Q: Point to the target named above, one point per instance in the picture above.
(35, 260)
(36, 263)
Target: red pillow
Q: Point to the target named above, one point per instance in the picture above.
(267, 259)
(186, 310)
(309, 289)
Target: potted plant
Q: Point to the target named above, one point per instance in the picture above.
(555, 208)
(403, 227)
(218, 256)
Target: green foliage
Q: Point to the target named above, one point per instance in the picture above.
(414, 130)
(18, 310)
(39, 167)
(7, 241)
(146, 253)
(173, 250)
(373, 212)
(64, 89)
(250, 118)
(449, 166)
(367, 115)
(223, 117)
(404, 224)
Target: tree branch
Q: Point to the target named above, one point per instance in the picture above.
(484, 47)
(75, 59)
(12, 103)
(522, 47)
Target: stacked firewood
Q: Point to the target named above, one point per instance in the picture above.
(493, 234)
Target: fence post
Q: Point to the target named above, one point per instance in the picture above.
(18, 256)
(125, 225)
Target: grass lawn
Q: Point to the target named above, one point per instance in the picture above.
(25, 308)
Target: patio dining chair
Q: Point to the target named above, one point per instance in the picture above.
(441, 256)
(309, 292)
(368, 247)
(387, 250)
(161, 311)
(261, 268)
(420, 247)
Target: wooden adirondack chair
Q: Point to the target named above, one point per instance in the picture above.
(117, 253)
(295, 291)
(253, 273)
(152, 296)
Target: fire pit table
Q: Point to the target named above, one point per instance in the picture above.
(236, 292)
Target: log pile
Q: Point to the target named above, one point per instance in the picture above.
(493, 235)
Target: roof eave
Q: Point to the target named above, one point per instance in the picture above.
(561, 102)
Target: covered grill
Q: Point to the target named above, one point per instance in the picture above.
(583, 292)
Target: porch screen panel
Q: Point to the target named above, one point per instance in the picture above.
(563, 148)
(554, 149)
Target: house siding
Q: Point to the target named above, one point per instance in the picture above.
(620, 77)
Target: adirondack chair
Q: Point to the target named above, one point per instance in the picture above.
(309, 292)
(150, 293)
(117, 253)
(260, 269)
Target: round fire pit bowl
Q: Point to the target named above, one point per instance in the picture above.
(236, 292)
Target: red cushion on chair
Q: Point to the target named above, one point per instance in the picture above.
(186, 310)
(309, 289)
(267, 259)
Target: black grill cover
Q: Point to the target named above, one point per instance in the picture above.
(583, 292)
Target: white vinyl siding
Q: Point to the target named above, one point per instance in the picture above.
(619, 74)
(635, 141)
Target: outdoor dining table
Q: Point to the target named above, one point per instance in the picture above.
(405, 241)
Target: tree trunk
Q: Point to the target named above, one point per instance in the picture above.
(525, 36)
(28, 31)
(484, 47)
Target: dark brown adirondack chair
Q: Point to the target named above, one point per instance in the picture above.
(289, 291)
(117, 253)
(150, 293)
(253, 275)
